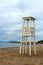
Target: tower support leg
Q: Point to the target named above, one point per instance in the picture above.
(26, 45)
(30, 48)
(23, 48)
(23, 45)
(20, 51)
(34, 48)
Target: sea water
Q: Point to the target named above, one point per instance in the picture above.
(6, 44)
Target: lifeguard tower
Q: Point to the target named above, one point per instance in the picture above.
(28, 31)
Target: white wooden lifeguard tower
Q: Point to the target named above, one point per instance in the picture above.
(28, 30)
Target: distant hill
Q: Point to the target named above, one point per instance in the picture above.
(14, 42)
(9, 42)
(40, 42)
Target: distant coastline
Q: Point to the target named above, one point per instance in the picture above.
(38, 42)
(9, 42)
(14, 42)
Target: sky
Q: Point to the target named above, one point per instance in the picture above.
(11, 13)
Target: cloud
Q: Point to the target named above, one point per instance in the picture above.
(33, 4)
(13, 27)
(12, 11)
(9, 32)
(7, 3)
(40, 33)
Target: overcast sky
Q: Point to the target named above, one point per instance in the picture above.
(11, 13)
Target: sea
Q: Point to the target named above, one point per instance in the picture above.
(7, 44)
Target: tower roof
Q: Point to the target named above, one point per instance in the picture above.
(29, 18)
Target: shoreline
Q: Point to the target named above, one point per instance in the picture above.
(37, 45)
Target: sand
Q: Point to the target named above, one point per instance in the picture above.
(10, 56)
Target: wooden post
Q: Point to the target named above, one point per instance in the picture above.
(34, 46)
(29, 48)
(30, 40)
(23, 49)
(26, 41)
(20, 47)
(26, 45)
(23, 38)
(23, 45)
(34, 39)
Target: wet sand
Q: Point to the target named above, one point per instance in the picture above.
(10, 56)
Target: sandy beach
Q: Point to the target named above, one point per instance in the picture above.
(10, 56)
